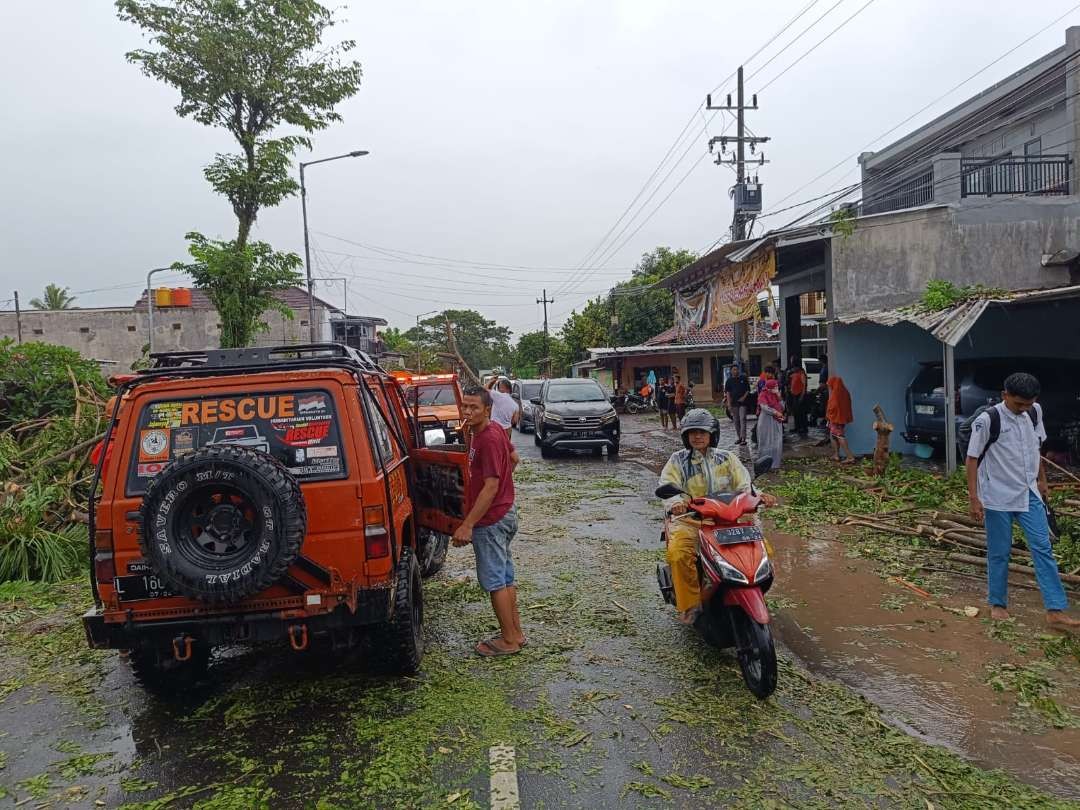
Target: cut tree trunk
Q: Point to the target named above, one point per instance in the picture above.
(884, 430)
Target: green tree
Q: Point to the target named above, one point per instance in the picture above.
(482, 342)
(240, 283)
(248, 67)
(529, 354)
(641, 309)
(54, 297)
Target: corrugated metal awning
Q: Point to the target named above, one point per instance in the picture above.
(951, 325)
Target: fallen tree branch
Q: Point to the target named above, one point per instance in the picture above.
(1020, 569)
(1059, 468)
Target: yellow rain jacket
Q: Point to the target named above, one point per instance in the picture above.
(697, 474)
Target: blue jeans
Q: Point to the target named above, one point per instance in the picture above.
(999, 543)
(491, 545)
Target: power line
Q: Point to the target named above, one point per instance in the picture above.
(921, 110)
(439, 261)
(675, 145)
(817, 45)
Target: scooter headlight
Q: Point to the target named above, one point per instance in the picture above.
(728, 570)
(764, 570)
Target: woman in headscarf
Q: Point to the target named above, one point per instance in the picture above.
(839, 417)
(770, 422)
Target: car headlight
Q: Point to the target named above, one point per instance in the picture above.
(609, 418)
(764, 569)
(729, 571)
(554, 418)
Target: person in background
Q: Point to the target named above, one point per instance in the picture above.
(823, 375)
(796, 378)
(770, 422)
(661, 402)
(491, 520)
(669, 400)
(839, 416)
(736, 393)
(505, 411)
(680, 399)
(1007, 484)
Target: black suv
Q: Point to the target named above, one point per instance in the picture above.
(979, 382)
(575, 414)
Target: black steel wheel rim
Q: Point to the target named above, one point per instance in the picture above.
(216, 525)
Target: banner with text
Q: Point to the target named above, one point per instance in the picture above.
(735, 290)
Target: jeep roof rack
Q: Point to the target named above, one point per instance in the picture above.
(210, 362)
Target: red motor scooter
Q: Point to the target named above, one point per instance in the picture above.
(735, 572)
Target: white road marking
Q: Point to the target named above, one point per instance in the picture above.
(504, 781)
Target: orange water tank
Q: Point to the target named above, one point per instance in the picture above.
(181, 297)
(163, 297)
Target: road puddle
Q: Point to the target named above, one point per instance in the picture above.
(923, 665)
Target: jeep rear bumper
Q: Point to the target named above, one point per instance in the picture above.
(373, 607)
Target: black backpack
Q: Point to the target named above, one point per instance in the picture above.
(964, 433)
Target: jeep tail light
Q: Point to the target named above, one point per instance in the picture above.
(99, 448)
(104, 567)
(376, 536)
(103, 540)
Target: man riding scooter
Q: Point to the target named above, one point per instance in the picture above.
(698, 470)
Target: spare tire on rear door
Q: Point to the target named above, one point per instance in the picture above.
(222, 523)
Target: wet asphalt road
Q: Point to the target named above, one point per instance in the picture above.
(612, 705)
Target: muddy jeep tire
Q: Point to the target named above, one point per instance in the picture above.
(400, 642)
(222, 523)
(432, 552)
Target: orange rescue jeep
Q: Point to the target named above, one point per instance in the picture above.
(249, 495)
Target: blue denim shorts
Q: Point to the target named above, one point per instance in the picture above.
(491, 544)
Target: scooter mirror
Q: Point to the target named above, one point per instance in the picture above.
(762, 466)
(668, 491)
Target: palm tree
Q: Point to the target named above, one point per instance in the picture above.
(55, 298)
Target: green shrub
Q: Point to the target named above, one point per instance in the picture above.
(36, 380)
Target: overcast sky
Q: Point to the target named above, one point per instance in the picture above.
(509, 133)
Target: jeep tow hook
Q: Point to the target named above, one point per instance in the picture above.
(298, 638)
(181, 647)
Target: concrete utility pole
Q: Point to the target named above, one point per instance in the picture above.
(18, 318)
(747, 199)
(547, 351)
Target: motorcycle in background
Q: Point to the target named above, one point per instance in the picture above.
(636, 403)
(736, 572)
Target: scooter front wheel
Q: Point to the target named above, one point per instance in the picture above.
(756, 653)
(631, 408)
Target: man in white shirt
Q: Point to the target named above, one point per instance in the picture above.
(505, 412)
(1006, 483)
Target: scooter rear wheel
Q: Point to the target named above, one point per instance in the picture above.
(632, 408)
(756, 653)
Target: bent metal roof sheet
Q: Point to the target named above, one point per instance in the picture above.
(951, 325)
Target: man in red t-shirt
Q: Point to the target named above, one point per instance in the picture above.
(491, 519)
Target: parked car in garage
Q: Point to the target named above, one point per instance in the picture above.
(575, 414)
(523, 391)
(979, 382)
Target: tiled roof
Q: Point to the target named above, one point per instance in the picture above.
(295, 298)
(720, 336)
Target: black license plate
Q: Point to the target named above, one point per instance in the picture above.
(589, 434)
(739, 534)
(140, 586)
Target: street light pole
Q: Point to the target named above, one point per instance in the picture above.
(150, 308)
(418, 333)
(307, 241)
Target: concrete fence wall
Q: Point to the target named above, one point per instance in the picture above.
(117, 336)
(996, 242)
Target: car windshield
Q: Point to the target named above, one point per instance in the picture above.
(575, 393)
(434, 395)
(530, 390)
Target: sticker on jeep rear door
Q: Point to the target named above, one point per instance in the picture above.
(299, 429)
